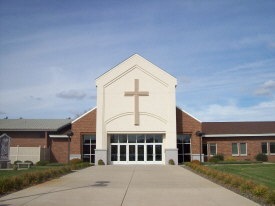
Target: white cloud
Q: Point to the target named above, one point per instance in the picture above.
(264, 111)
(71, 94)
(265, 89)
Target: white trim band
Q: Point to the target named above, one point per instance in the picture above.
(58, 136)
(239, 135)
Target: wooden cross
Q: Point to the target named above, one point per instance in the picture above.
(136, 93)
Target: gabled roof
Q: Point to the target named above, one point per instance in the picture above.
(83, 115)
(136, 62)
(188, 114)
(238, 128)
(33, 124)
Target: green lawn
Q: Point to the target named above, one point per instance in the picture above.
(261, 173)
(11, 173)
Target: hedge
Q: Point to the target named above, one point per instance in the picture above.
(8, 184)
(248, 186)
(238, 162)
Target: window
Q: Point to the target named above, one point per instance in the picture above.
(88, 150)
(213, 149)
(184, 147)
(272, 148)
(265, 148)
(204, 149)
(243, 149)
(235, 149)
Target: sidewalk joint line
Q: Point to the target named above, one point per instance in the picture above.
(128, 186)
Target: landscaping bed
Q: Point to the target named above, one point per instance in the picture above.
(248, 188)
(12, 180)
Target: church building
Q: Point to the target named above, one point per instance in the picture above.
(136, 121)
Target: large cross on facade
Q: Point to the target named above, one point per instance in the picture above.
(136, 93)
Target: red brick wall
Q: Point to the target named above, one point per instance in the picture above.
(254, 146)
(26, 139)
(85, 125)
(188, 125)
(59, 149)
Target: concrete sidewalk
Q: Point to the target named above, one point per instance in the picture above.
(127, 185)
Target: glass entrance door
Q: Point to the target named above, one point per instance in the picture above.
(140, 154)
(136, 149)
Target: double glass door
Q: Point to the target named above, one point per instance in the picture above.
(129, 152)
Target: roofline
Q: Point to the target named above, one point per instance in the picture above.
(189, 114)
(59, 136)
(83, 115)
(239, 135)
(128, 59)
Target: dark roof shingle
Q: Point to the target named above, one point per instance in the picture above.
(238, 127)
(33, 124)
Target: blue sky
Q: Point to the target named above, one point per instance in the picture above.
(221, 52)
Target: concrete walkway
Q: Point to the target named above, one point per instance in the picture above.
(127, 185)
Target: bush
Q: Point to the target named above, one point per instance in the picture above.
(238, 162)
(41, 163)
(214, 159)
(6, 185)
(195, 162)
(228, 179)
(237, 181)
(248, 185)
(261, 157)
(75, 161)
(231, 159)
(28, 161)
(219, 156)
(17, 161)
(56, 164)
(247, 159)
(260, 191)
(270, 197)
(171, 162)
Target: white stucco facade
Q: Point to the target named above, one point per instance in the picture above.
(151, 113)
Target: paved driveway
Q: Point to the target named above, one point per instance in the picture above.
(127, 185)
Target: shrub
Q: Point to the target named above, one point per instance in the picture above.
(228, 179)
(195, 162)
(38, 175)
(221, 176)
(247, 159)
(238, 162)
(6, 185)
(17, 182)
(75, 161)
(248, 185)
(261, 157)
(231, 159)
(171, 162)
(56, 164)
(260, 191)
(41, 163)
(237, 181)
(214, 159)
(219, 156)
(270, 197)
(17, 161)
(28, 161)
(100, 162)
